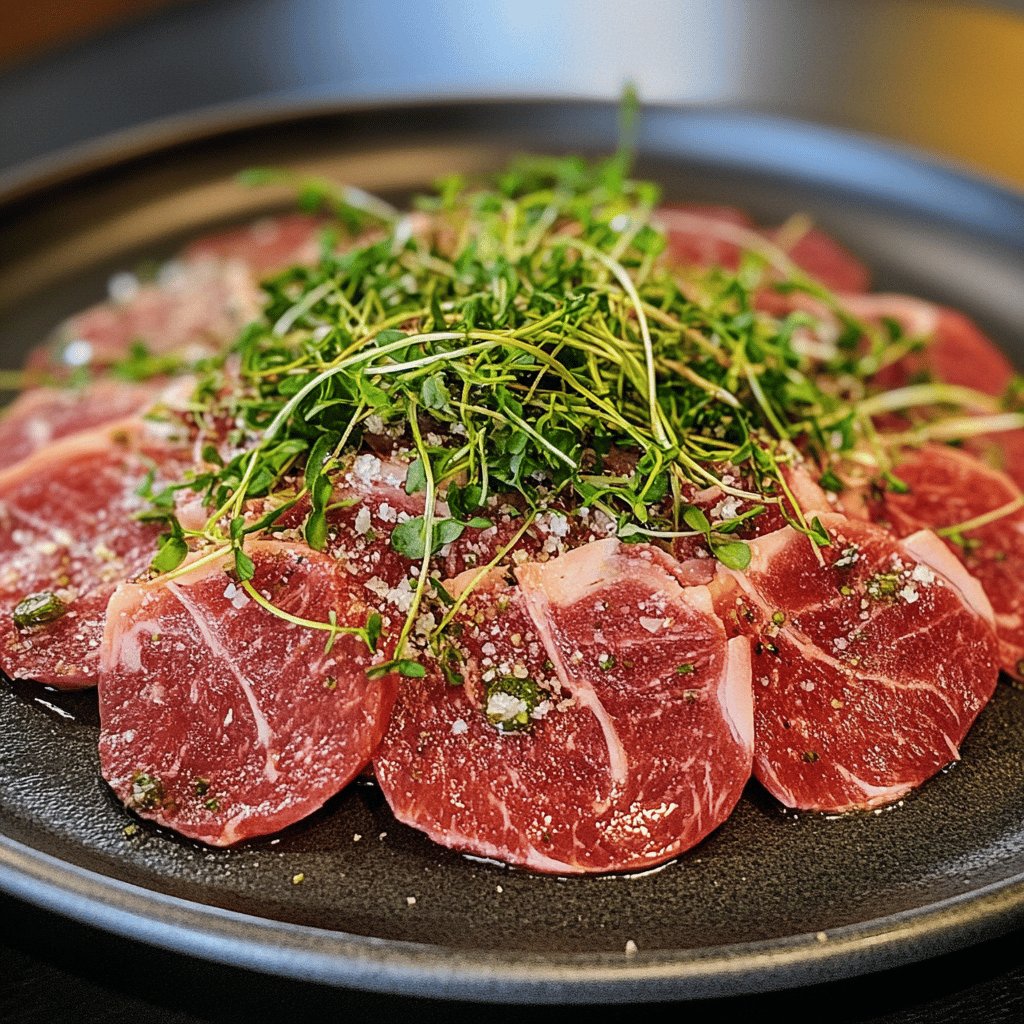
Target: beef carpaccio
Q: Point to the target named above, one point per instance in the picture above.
(568, 516)
(68, 538)
(950, 491)
(857, 700)
(617, 725)
(219, 729)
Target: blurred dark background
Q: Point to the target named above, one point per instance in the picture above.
(948, 77)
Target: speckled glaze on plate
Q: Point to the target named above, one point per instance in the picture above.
(771, 899)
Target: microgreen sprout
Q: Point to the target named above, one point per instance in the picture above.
(525, 338)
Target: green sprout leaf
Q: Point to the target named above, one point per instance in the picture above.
(732, 554)
(171, 553)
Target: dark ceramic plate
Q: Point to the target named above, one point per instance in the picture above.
(770, 900)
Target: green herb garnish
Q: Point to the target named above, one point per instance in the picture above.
(147, 791)
(38, 609)
(511, 702)
(527, 341)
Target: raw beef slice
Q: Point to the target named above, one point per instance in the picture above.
(948, 487)
(869, 666)
(266, 246)
(68, 536)
(43, 415)
(704, 235)
(195, 308)
(716, 236)
(602, 720)
(696, 560)
(224, 722)
(954, 350)
(823, 258)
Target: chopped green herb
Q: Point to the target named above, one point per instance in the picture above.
(830, 482)
(529, 344)
(883, 585)
(147, 791)
(38, 609)
(451, 662)
(510, 703)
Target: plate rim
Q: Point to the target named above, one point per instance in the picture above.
(343, 959)
(23, 182)
(417, 969)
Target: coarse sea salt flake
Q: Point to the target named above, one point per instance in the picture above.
(362, 523)
(503, 707)
(541, 709)
(922, 574)
(123, 287)
(401, 596)
(366, 468)
(558, 525)
(727, 508)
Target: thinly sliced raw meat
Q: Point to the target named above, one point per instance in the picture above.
(716, 236)
(266, 246)
(551, 533)
(359, 535)
(370, 500)
(224, 722)
(955, 351)
(639, 738)
(704, 235)
(43, 415)
(198, 302)
(67, 530)
(948, 487)
(869, 667)
(697, 564)
(823, 258)
(195, 308)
